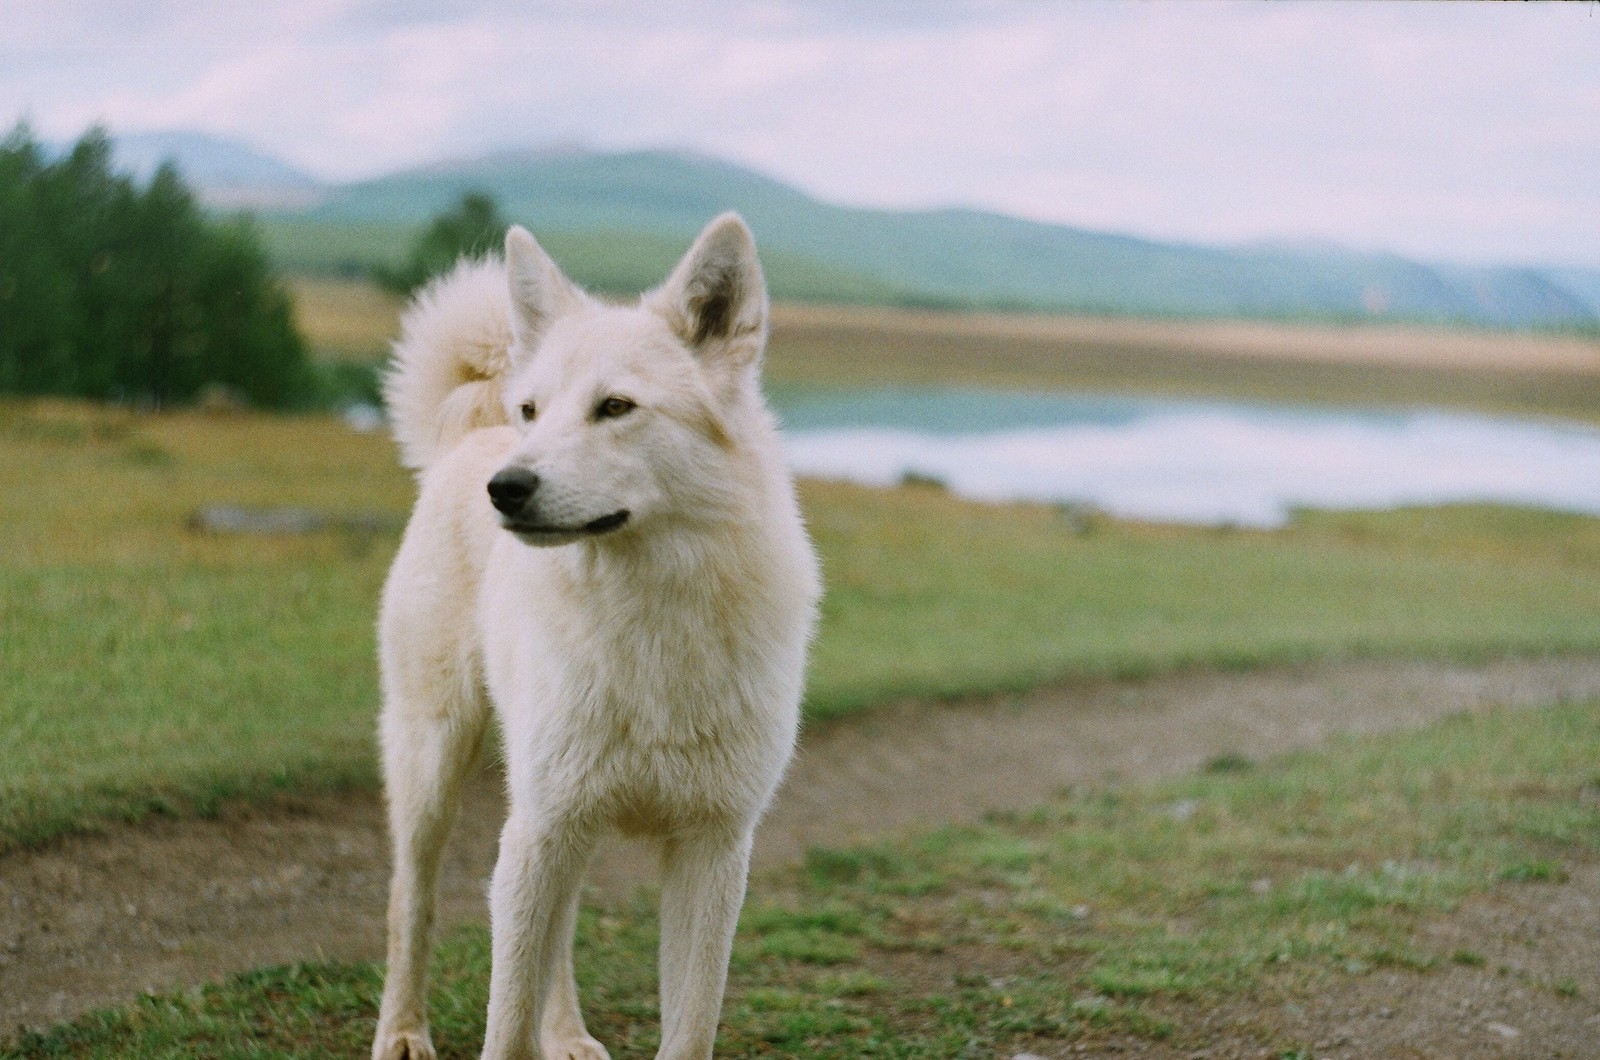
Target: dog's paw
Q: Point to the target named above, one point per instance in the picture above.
(582, 1047)
(403, 1045)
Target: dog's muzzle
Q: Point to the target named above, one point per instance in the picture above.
(511, 492)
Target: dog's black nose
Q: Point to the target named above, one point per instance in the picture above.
(511, 487)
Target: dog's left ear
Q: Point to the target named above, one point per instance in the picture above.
(716, 299)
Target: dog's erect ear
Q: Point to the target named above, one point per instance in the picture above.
(540, 291)
(716, 299)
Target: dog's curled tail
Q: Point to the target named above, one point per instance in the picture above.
(445, 377)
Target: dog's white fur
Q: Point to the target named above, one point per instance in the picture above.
(646, 679)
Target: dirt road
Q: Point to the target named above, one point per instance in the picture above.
(94, 920)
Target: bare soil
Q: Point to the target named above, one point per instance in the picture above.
(94, 920)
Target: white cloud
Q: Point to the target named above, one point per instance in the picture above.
(1464, 131)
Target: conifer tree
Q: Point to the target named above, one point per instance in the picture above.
(469, 229)
(114, 291)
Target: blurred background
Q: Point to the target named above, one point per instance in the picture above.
(1085, 198)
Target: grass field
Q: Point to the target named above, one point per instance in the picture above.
(150, 667)
(1120, 913)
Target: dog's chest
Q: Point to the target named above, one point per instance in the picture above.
(655, 754)
(660, 715)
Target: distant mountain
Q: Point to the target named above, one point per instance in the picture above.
(658, 200)
(970, 257)
(224, 173)
(1585, 283)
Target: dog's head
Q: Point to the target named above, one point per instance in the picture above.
(629, 413)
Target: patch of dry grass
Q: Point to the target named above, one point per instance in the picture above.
(1411, 345)
(97, 484)
(345, 319)
(1304, 364)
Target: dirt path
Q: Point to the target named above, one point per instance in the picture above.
(94, 920)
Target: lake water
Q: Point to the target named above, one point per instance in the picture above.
(1189, 461)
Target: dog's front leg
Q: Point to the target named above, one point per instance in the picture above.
(702, 889)
(531, 901)
(562, 1033)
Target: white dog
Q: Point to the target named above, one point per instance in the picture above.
(607, 553)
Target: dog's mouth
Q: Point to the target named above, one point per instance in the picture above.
(593, 528)
(606, 523)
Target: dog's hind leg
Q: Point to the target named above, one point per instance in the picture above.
(532, 911)
(702, 889)
(427, 755)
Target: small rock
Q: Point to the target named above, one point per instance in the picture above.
(1502, 1031)
(363, 418)
(1183, 810)
(239, 519)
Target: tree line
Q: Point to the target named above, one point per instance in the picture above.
(117, 291)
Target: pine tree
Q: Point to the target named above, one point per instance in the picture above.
(471, 228)
(112, 291)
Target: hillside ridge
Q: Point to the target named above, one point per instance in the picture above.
(959, 257)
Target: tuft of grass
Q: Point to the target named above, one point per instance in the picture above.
(1099, 918)
(1538, 870)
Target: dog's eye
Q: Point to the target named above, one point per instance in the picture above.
(612, 407)
(528, 410)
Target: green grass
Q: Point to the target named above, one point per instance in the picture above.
(149, 668)
(932, 597)
(334, 249)
(1136, 912)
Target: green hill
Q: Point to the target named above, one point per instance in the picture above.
(623, 216)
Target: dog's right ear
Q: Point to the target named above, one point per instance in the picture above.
(540, 291)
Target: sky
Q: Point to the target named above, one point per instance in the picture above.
(1465, 132)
